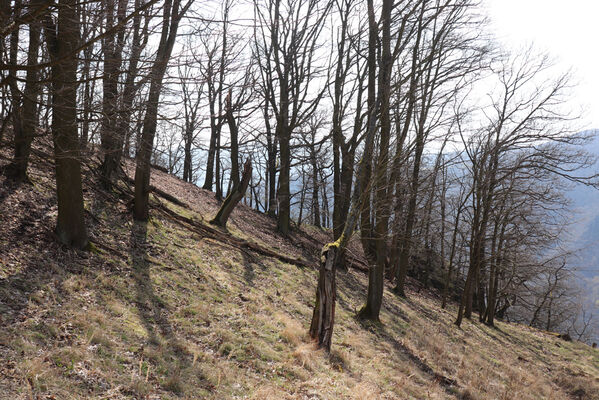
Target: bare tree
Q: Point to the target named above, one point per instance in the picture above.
(172, 14)
(25, 116)
(112, 46)
(62, 37)
(285, 47)
(525, 135)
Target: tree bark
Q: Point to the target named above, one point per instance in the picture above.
(112, 47)
(234, 135)
(315, 188)
(172, 16)
(271, 148)
(283, 193)
(375, 240)
(138, 42)
(235, 195)
(404, 242)
(209, 178)
(451, 256)
(323, 316)
(62, 41)
(24, 136)
(187, 171)
(324, 310)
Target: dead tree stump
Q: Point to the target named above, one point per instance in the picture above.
(323, 318)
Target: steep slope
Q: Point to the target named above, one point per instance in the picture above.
(170, 310)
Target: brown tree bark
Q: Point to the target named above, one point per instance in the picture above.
(112, 46)
(62, 39)
(344, 152)
(139, 40)
(28, 114)
(324, 309)
(283, 135)
(215, 80)
(235, 195)
(271, 175)
(234, 137)
(172, 14)
(494, 279)
(375, 244)
(287, 39)
(323, 316)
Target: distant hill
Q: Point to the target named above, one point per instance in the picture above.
(584, 232)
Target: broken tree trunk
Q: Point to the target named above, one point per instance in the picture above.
(234, 197)
(323, 318)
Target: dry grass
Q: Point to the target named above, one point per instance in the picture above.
(159, 312)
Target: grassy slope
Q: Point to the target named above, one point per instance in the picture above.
(157, 311)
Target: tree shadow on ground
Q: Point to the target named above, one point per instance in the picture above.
(249, 260)
(175, 359)
(152, 310)
(428, 313)
(37, 273)
(30, 256)
(383, 333)
(509, 340)
(7, 186)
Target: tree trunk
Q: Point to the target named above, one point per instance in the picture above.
(234, 134)
(270, 188)
(24, 136)
(492, 303)
(343, 159)
(467, 294)
(235, 195)
(13, 52)
(302, 198)
(144, 152)
(315, 188)
(325, 200)
(112, 48)
(323, 316)
(406, 243)
(209, 179)
(480, 295)
(63, 39)
(283, 194)
(451, 258)
(272, 176)
(139, 40)
(324, 310)
(283, 135)
(172, 16)
(376, 244)
(187, 171)
(218, 170)
(402, 132)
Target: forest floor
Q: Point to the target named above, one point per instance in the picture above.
(171, 310)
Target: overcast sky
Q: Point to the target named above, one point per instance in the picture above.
(567, 30)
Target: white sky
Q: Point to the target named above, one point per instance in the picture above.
(567, 30)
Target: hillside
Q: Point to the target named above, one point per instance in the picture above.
(173, 309)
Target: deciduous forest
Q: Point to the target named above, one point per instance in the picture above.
(393, 152)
